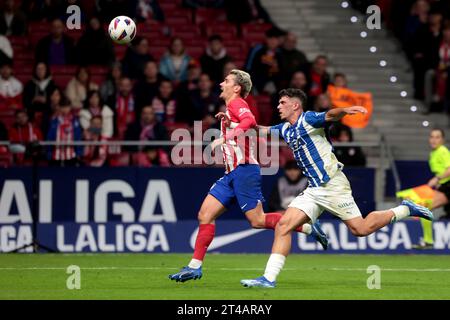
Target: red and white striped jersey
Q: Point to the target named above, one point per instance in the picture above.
(237, 150)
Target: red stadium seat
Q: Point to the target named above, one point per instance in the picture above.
(63, 69)
(258, 28)
(7, 116)
(119, 160)
(205, 16)
(178, 21)
(195, 52)
(98, 70)
(119, 51)
(5, 160)
(265, 108)
(18, 41)
(158, 51)
(224, 29)
(61, 80)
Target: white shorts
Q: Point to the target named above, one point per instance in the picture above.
(335, 196)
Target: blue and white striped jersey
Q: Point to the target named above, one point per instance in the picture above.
(312, 151)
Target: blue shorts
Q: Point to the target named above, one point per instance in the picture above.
(242, 184)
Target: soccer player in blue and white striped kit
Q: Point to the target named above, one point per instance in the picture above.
(328, 187)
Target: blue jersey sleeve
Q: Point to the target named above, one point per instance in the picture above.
(316, 119)
(277, 128)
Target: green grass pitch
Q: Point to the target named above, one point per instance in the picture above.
(145, 276)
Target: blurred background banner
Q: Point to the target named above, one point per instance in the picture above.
(155, 210)
(233, 236)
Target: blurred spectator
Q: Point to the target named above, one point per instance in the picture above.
(165, 104)
(349, 156)
(64, 127)
(136, 57)
(175, 62)
(298, 81)
(95, 156)
(94, 107)
(436, 79)
(149, 10)
(37, 90)
(147, 88)
(318, 77)
(51, 109)
(10, 88)
(291, 59)
(263, 62)
(108, 89)
(123, 104)
(193, 74)
(95, 46)
(12, 20)
(417, 19)
(287, 187)
(214, 58)
(322, 103)
(146, 129)
(6, 51)
(57, 48)
(246, 11)
(340, 80)
(152, 157)
(424, 51)
(23, 132)
(78, 87)
(204, 104)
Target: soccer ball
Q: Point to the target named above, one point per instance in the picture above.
(122, 29)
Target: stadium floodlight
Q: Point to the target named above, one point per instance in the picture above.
(413, 108)
(383, 63)
(404, 94)
(363, 34)
(393, 79)
(425, 123)
(373, 49)
(344, 4)
(354, 19)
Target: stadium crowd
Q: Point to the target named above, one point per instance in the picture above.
(67, 85)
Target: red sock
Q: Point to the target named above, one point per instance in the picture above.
(272, 220)
(204, 237)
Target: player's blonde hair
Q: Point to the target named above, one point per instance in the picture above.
(242, 79)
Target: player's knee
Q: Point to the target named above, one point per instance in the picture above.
(257, 223)
(203, 216)
(282, 227)
(360, 231)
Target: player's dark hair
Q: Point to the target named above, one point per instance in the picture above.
(339, 75)
(294, 93)
(214, 37)
(291, 164)
(440, 130)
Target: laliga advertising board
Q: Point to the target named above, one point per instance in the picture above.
(154, 210)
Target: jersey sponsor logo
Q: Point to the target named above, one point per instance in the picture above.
(243, 110)
(223, 240)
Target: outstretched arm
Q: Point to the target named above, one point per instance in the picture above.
(336, 114)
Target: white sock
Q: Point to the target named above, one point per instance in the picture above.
(306, 228)
(400, 213)
(195, 264)
(274, 266)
